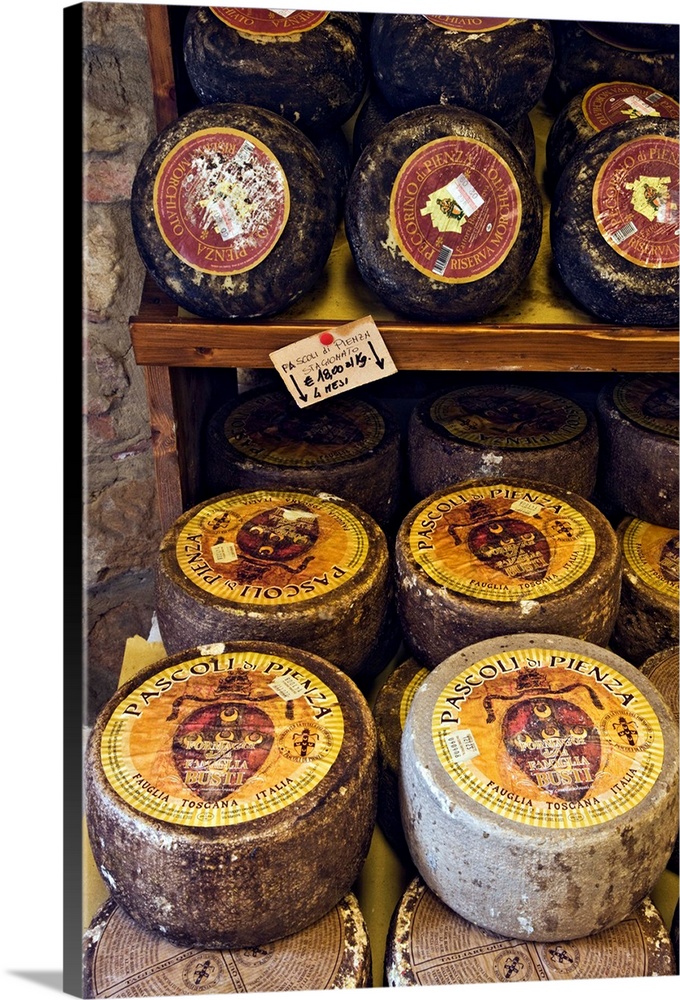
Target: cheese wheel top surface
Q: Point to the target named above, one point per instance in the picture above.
(650, 557)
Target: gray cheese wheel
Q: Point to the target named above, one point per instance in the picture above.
(498, 69)
(349, 446)
(121, 955)
(648, 616)
(233, 212)
(500, 429)
(297, 567)
(230, 793)
(312, 74)
(612, 224)
(443, 216)
(638, 419)
(487, 557)
(539, 786)
(430, 945)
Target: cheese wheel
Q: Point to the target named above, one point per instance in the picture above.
(429, 944)
(595, 108)
(349, 446)
(613, 223)
(496, 66)
(638, 420)
(389, 711)
(490, 556)
(308, 66)
(290, 566)
(443, 216)
(230, 793)
(649, 37)
(662, 670)
(233, 212)
(539, 785)
(121, 955)
(501, 430)
(648, 615)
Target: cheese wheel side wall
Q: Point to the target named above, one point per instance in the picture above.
(510, 891)
(204, 887)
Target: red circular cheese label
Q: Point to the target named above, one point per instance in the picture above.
(635, 201)
(269, 21)
(221, 200)
(611, 103)
(455, 209)
(469, 24)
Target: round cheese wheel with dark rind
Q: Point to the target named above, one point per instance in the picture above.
(595, 108)
(649, 37)
(349, 446)
(121, 955)
(501, 430)
(539, 785)
(233, 212)
(638, 421)
(662, 670)
(648, 616)
(443, 216)
(613, 223)
(285, 565)
(585, 56)
(389, 711)
(230, 793)
(498, 67)
(428, 944)
(307, 66)
(487, 557)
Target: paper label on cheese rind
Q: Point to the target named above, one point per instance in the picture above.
(607, 104)
(409, 692)
(210, 742)
(270, 21)
(505, 416)
(288, 548)
(651, 401)
(273, 429)
(652, 553)
(501, 543)
(564, 741)
(469, 25)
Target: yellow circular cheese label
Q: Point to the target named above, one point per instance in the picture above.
(548, 738)
(271, 548)
(652, 553)
(222, 739)
(273, 429)
(508, 416)
(501, 543)
(409, 692)
(651, 401)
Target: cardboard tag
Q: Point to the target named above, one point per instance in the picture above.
(333, 361)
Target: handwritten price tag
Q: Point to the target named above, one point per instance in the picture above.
(334, 361)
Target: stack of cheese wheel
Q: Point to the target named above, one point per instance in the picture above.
(120, 955)
(490, 556)
(429, 944)
(301, 568)
(233, 212)
(501, 430)
(348, 446)
(648, 615)
(614, 220)
(443, 216)
(539, 785)
(231, 793)
(638, 418)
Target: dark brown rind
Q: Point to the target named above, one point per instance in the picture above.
(336, 156)
(638, 467)
(436, 458)
(315, 79)
(371, 480)
(353, 626)
(601, 280)
(501, 74)
(437, 622)
(662, 670)
(256, 881)
(295, 261)
(381, 263)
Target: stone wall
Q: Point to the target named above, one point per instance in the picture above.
(121, 520)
